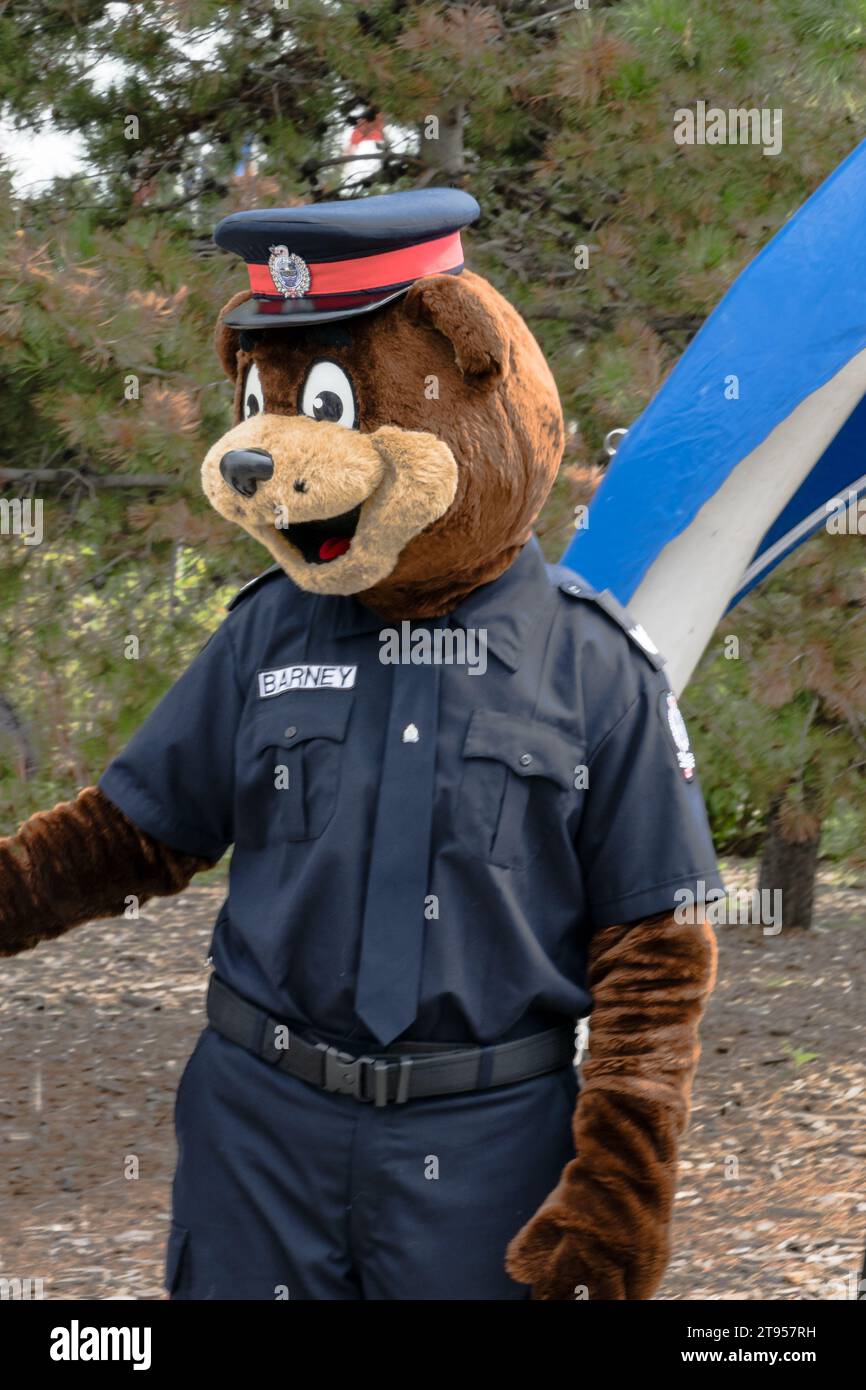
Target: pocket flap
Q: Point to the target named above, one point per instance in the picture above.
(174, 1256)
(300, 716)
(526, 746)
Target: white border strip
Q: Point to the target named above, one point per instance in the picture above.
(809, 523)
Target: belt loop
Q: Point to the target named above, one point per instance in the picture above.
(403, 1081)
(268, 1050)
(380, 1083)
(485, 1068)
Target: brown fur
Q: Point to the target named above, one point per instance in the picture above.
(478, 459)
(80, 861)
(606, 1227)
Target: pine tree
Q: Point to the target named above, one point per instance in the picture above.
(779, 709)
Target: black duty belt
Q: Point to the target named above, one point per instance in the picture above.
(404, 1071)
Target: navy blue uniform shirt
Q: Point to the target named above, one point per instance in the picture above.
(564, 798)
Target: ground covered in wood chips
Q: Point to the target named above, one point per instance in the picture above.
(95, 1030)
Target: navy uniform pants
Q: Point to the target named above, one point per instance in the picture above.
(286, 1191)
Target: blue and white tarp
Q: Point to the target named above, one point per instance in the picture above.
(759, 426)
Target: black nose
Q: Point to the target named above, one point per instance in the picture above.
(244, 468)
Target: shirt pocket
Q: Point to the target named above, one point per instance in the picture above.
(289, 763)
(517, 787)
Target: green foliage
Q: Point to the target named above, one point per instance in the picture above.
(800, 1056)
(561, 123)
(778, 705)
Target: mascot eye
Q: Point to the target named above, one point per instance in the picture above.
(254, 398)
(328, 395)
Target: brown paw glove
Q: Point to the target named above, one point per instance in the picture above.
(604, 1232)
(81, 860)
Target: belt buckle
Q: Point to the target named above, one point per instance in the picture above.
(345, 1075)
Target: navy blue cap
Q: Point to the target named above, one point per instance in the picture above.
(334, 260)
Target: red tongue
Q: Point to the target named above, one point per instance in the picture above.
(329, 550)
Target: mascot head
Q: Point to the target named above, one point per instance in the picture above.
(397, 429)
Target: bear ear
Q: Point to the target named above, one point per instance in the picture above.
(227, 340)
(458, 307)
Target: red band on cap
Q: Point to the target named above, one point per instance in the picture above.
(372, 272)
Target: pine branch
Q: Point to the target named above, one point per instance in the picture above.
(90, 480)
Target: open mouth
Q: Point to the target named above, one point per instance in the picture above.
(322, 541)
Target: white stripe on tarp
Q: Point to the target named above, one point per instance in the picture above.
(796, 533)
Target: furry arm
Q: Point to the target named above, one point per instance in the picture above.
(77, 862)
(604, 1232)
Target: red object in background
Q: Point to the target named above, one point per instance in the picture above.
(368, 130)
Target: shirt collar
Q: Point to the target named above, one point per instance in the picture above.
(348, 617)
(506, 609)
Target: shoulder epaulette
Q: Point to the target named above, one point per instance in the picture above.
(254, 584)
(572, 584)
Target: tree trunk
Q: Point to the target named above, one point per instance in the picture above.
(13, 725)
(444, 155)
(789, 867)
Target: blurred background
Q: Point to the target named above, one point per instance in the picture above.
(127, 131)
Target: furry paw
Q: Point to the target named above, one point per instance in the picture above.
(564, 1260)
(559, 1265)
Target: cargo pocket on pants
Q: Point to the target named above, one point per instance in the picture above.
(177, 1261)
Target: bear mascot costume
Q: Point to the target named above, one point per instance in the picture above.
(462, 806)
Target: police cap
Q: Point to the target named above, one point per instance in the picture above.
(334, 260)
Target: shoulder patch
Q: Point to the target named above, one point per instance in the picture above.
(572, 584)
(254, 584)
(675, 727)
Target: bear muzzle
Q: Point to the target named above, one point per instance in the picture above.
(325, 499)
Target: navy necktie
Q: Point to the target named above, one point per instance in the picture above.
(392, 945)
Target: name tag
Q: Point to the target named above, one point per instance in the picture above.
(306, 678)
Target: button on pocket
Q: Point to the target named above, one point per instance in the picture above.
(288, 767)
(517, 774)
